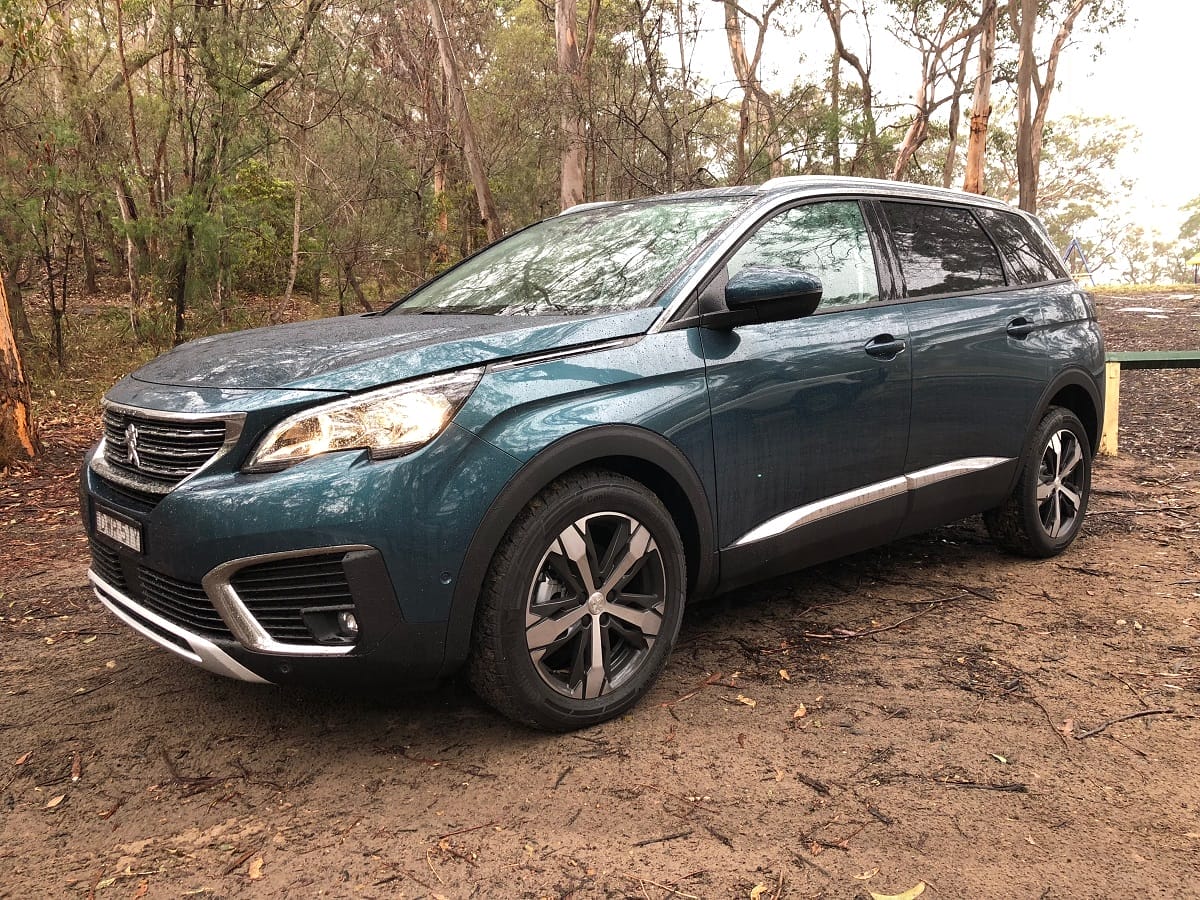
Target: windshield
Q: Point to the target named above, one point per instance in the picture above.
(606, 259)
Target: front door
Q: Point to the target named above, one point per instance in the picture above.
(810, 416)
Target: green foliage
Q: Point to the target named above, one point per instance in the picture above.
(252, 232)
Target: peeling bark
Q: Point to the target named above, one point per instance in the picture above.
(18, 433)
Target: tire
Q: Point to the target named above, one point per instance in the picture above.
(541, 610)
(1045, 511)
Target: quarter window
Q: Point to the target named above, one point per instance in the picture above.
(828, 240)
(1031, 257)
(943, 250)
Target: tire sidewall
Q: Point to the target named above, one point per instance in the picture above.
(533, 538)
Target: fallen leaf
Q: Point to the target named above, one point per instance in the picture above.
(759, 890)
(998, 758)
(801, 712)
(915, 891)
(746, 700)
(106, 882)
(142, 890)
(868, 875)
(783, 673)
(23, 758)
(54, 801)
(88, 640)
(255, 870)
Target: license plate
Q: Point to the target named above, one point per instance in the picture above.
(124, 533)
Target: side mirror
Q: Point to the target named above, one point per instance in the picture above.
(773, 294)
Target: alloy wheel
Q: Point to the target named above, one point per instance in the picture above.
(1059, 486)
(595, 605)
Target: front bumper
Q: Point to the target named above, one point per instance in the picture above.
(392, 533)
(195, 649)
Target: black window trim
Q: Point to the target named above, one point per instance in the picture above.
(1012, 283)
(969, 209)
(1038, 232)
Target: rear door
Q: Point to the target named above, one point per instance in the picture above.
(978, 360)
(810, 416)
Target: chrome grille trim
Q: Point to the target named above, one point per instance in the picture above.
(199, 441)
(241, 619)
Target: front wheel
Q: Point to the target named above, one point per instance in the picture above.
(582, 604)
(1045, 511)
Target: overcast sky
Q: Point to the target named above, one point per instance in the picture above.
(1148, 75)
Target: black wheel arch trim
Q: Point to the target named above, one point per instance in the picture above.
(573, 451)
(1073, 377)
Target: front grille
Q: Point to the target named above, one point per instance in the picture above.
(107, 564)
(278, 593)
(166, 450)
(182, 602)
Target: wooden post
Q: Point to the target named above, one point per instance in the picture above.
(1112, 408)
(18, 435)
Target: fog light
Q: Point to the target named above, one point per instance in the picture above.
(348, 624)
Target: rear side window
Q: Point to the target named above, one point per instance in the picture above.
(943, 250)
(828, 240)
(1031, 258)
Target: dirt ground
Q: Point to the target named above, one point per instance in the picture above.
(931, 712)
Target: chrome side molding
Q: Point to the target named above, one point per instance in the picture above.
(864, 496)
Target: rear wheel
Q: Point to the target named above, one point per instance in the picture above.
(581, 605)
(1045, 511)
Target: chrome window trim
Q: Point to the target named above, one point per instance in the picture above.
(864, 496)
(234, 424)
(204, 653)
(219, 588)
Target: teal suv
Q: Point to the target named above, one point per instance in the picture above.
(528, 465)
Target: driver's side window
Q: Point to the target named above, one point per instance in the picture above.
(828, 240)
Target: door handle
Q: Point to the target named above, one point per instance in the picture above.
(884, 347)
(1020, 328)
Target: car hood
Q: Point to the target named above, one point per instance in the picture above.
(351, 353)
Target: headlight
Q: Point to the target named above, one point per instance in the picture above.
(388, 422)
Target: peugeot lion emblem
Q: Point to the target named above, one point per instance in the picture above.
(131, 448)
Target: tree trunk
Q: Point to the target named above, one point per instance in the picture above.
(458, 102)
(835, 109)
(18, 433)
(574, 134)
(16, 303)
(955, 117)
(871, 152)
(1026, 71)
(981, 101)
(355, 285)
